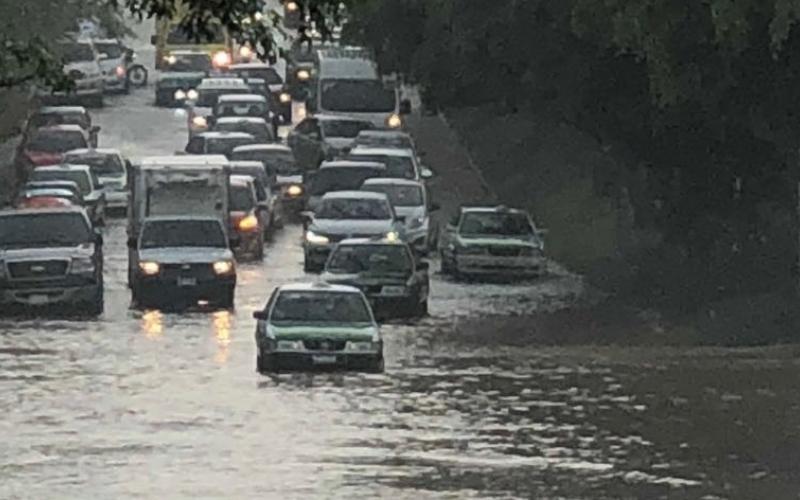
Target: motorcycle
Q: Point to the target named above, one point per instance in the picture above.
(137, 73)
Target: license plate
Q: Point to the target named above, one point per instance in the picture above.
(393, 291)
(37, 300)
(323, 360)
(187, 281)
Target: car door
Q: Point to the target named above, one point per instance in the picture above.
(305, 143)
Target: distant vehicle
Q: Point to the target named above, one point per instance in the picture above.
(183, 261)
(266, 193)
(82, 65)
(246, 105)
(413, 207)
(188, 61)
(395, 139)
(279, 160)
(174, 89)
(210, 89)
(217, 143)
(166, 186)
(255, 126)
(171, 39)
(400, 163)
(94, 197)
(60, 185)
(305, 326)
(492, 242)
(348, 83)
(50, 257)
(112, 56)
(249, 218)
(110, 168)
(273, 81)
(324, 138)
(388, 272)
(339, 176)
(42, 198)
(47, 145)
(347, 214)
(50, 116)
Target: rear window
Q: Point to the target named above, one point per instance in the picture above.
(56, 141)
(183, 233)
(400, 167)
(399, 196)
(351, 208)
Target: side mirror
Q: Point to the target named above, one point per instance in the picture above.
(260, 315)
(132, 243)
(434, 207)
(426, 173)
(405, 107)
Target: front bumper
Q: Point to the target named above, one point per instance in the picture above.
(50, 296)
(484, 265)
(322, 360)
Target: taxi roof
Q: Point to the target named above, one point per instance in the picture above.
(398, 152)
(494, 209)
(351, 164)
(46, 110)
(224, 134)
(241, 119)
(354, 195)
(373, 241)
(69, 167)
(94, 152)
(241, 180)
(263, 147)
(184, 160)
(241, 97)
(338, 118)
(383, 133)
(223, 83)
(317, 287)
(392, 181)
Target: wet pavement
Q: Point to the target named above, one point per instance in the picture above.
(156, 405)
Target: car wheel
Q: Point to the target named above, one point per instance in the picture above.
(97, 306)
(266, 364)
(228, 298)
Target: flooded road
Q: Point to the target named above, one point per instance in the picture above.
(152, 405)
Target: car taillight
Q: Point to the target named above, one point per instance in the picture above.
(248, 223)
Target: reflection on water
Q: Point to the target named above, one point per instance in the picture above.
(153, 324)
(221, 321)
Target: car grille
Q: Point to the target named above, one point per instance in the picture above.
(40, 269)
(200, 271)
(504, 251)
(324, 345)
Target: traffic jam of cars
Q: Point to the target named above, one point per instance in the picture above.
(342, 166)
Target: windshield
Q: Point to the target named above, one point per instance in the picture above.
(495, 224)
(260, 131)
(388, 141)
(382, 259)
(50, 119)
(183, 233)
(269, 75)
(348, 208)
(190, 62)
(400, 196)
(401, 167)
(107, 165)
(361, 96)
(44, 230)
(177, 36)
(256, 109)
(224, 146)
(56, 141)
(342, 179)
(79, 177)
(112, 50)
(77, 52)
(343, 128)
(320, 307)
(242, 199)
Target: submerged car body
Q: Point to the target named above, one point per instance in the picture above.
(306, 326)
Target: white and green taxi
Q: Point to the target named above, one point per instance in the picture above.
(492, 242)
(317, 326)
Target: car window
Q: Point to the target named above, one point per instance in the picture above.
(352, 259)
(79, 177)
(399, 196)
(495, 224)
(183, 233)
(350, 208)
(112, 50)
(242, 199)
(320, 307)
(56, 141)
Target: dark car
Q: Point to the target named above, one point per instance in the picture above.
(272, 81)
(388, 272)
(247, 105)
(255, 126)
(321, 138)
(174, 89)
(280, 162)
(217, 143)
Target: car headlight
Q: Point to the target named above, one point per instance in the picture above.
(84, 265)
(294, 190)
(285, 97)
(303, 74)
(392, 236)
(292, 6)
(221, 59)
(222, 267)
(179, 95)
(394, 121)
(199, 122)
(291, 345)
(192, 95)
(170, 59)
(149, 268)
(316, 239)
(360, 346)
